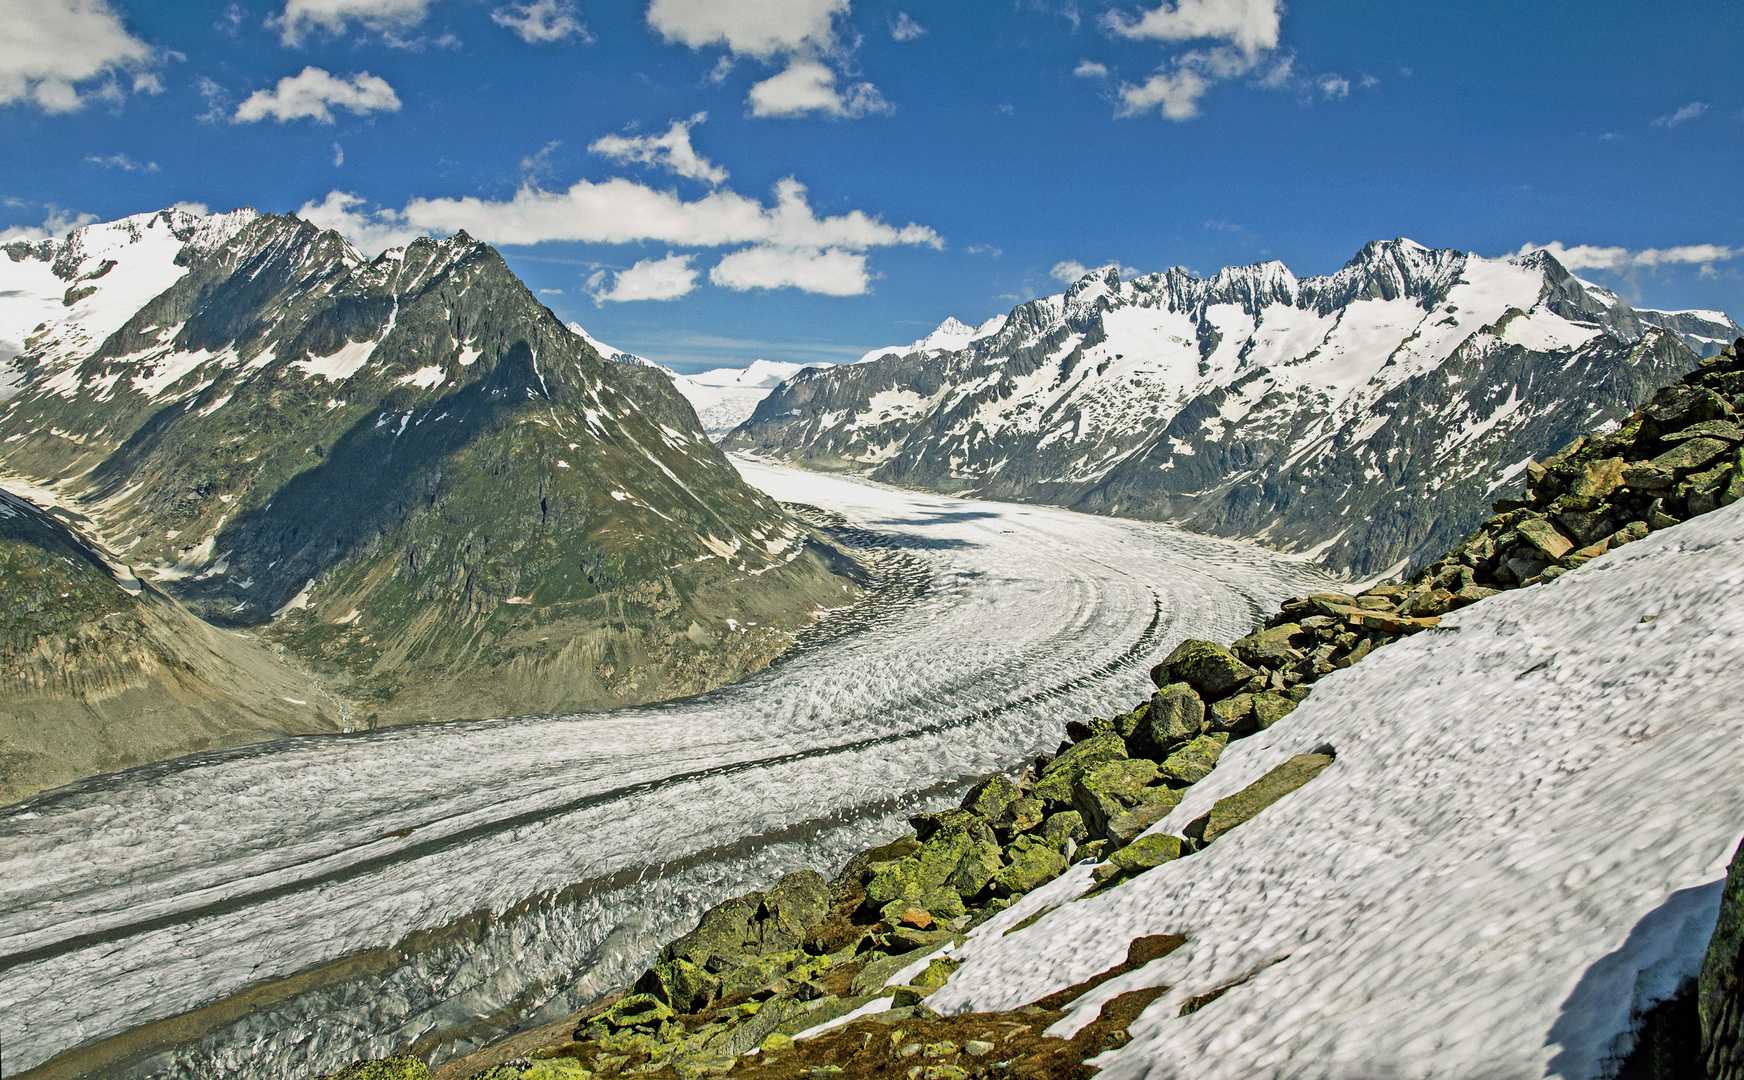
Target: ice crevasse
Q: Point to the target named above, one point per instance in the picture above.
(1520, 847)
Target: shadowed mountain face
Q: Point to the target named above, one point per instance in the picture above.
(407, 470)
(1368, 417)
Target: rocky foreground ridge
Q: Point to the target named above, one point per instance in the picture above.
(1366, 417)
(848, 965)
(405, 470)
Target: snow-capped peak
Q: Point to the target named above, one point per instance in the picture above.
(952, 334)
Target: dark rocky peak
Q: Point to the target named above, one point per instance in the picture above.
(1579, 301)
(1387, 270)
(1253, 288)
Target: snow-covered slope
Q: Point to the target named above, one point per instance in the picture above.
(1520, 845)
(951, 335)
(1311, 413)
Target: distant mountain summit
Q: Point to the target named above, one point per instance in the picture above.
(1365, 418)
(405, 469)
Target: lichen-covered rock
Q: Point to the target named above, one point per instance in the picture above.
(1137, 857)
(636, 1011)
(793, 904)
(1153, 806)
(1206, 666)
(1033, 863)
(1236, 809)
(1055, 785)
(1691, 454)
(1063, 826)
(1175, 715)
(937, 973)
(1194, 762)
(685, 986)
(404, 1067)
(1023, 815)
(1271, 706)
(1234, 714)
(957, 857)
(723, 930)
(1110, 789)
(990, 798)
(1272, 647)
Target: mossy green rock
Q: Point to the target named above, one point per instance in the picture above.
(956, 859)
(1032, 866)
(1153, 806)
(1272, 647)
(1142, 854)
(1233, 714)
(797, 902)
(723, 930)
(990, 798)
(937, 973)
(1174, 716)
(1271, 706)
(1236, 809)
(1023, 815)
(681, 984)
(1110, 789)
(1063, 826)
(1055, 786)
(1209, 668)
(1194, 762)
(405, 1067)
(636, 1010)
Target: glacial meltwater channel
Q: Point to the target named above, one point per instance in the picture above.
(279, 910)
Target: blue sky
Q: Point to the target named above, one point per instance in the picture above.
(709, 181)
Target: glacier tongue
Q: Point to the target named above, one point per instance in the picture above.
(1521, 843)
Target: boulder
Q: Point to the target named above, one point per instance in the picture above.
(404, 1067)
(724, 929)
(1235, 809)
(1209, 668)
(990, 798)
(1033, 863)
(1194, 762)
(1595, 484)
(1720, 987)
(686, 987)
(636, 1010)
(1543, 536)
(1110, 789)
(1153, 806)
(1175, 714)
(1586, 527)
(793, 905)
(1061, 773)
(1272, 706)
(1236, 714)
(957, 857)
(1063, 826)
(1724, 430)
(1272, 647)
(1023, 815)
(1692, 454)
(1142, 854)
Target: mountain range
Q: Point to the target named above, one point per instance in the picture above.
(1365, 419)
(403, 470)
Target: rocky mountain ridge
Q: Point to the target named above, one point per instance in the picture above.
(1364, 418)
(404, 469)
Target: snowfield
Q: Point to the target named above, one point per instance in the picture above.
(1522, 841)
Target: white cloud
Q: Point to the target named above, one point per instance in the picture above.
(764, 29)
(310, 93)
(1369, 82)
(338, 155)
(539, 21)
(1249, 25)
(1688, 112)
(905, 28)
(1245, 33)
(830, 271)
(384, 16)
(1335, 86)
(49, 47)
(620, 211)
(1623, 260)
(809, 86)
(1090, 69)
(1068, 271)
(650, 279)
(671, 151)
(58, 223)
(122, 162)
(369, 233)
(198, 209)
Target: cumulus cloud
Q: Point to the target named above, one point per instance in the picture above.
(1688, 112)
(671, 151)
(1090, 69)
(384, 16)
(1240, 35)
(830, 271)
(905, 28)
(650, 279)
(764, 29)
(122, 162)
(370, 233)
(808, 86)
(311, 93)
(1335, 86)
(58, 223)
(1623, 260)
(540, 21)
(1068, 271)
(799, 34)
(50, 47)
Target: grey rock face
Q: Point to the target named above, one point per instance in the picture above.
(1369, 416)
